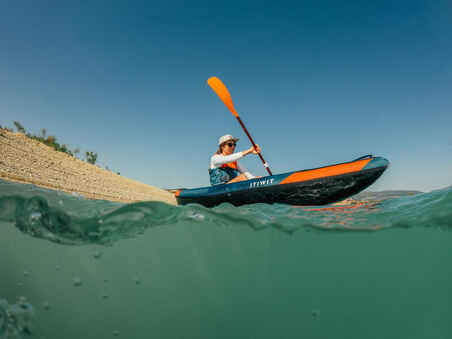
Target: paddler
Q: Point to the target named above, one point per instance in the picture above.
(224, 168)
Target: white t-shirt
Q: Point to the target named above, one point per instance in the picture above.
(217, 160)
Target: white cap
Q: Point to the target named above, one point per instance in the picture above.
(225, 138)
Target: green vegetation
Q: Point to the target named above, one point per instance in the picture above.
(51, 141)
(91, 157)
(19, 127)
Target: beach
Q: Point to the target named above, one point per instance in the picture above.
(28, 161)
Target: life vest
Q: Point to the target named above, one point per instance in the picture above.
(231, 164)
(223, 174)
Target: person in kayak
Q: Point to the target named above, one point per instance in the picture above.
(224, 168)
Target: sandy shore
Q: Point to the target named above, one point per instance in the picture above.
(26, 160)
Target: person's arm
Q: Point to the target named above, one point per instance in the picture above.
(252, 150)
(218, 159)
(244, 171)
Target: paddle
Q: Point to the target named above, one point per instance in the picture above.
(221, 90)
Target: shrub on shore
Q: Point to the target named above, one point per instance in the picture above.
(91, 157)
(51, 141)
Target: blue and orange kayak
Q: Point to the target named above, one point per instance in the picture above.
(319, 186)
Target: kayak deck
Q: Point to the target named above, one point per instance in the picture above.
(317, 186)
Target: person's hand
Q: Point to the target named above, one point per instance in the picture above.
(255, 150)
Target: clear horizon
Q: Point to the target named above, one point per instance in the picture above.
(315, 84)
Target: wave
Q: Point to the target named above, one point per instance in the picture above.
(72, 220)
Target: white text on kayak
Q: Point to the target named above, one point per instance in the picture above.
(261, 183)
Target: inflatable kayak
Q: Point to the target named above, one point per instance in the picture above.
(319, 186)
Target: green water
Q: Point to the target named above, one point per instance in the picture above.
(156, 271)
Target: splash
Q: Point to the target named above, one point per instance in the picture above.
(15, 319)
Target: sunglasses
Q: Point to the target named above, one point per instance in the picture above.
(231, 144)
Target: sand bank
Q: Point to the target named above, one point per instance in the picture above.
(28, 161)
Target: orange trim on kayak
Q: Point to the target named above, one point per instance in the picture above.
(328, 171)
(177, 192)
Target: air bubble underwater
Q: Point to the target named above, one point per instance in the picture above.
(46, 305)
(77, 281)
(315, 314)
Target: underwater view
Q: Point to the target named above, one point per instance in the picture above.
(77, 268)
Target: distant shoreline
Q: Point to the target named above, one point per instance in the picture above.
(28, 161)
(383, 195)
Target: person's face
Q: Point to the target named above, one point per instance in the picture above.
(228, 147)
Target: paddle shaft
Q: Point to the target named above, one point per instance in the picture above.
(254, 145)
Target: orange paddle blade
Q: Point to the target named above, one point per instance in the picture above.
(221, 90)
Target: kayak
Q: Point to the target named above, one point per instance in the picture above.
(311, 187)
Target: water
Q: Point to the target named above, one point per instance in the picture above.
(74, 268)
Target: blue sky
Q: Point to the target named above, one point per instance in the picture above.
(315, 82)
